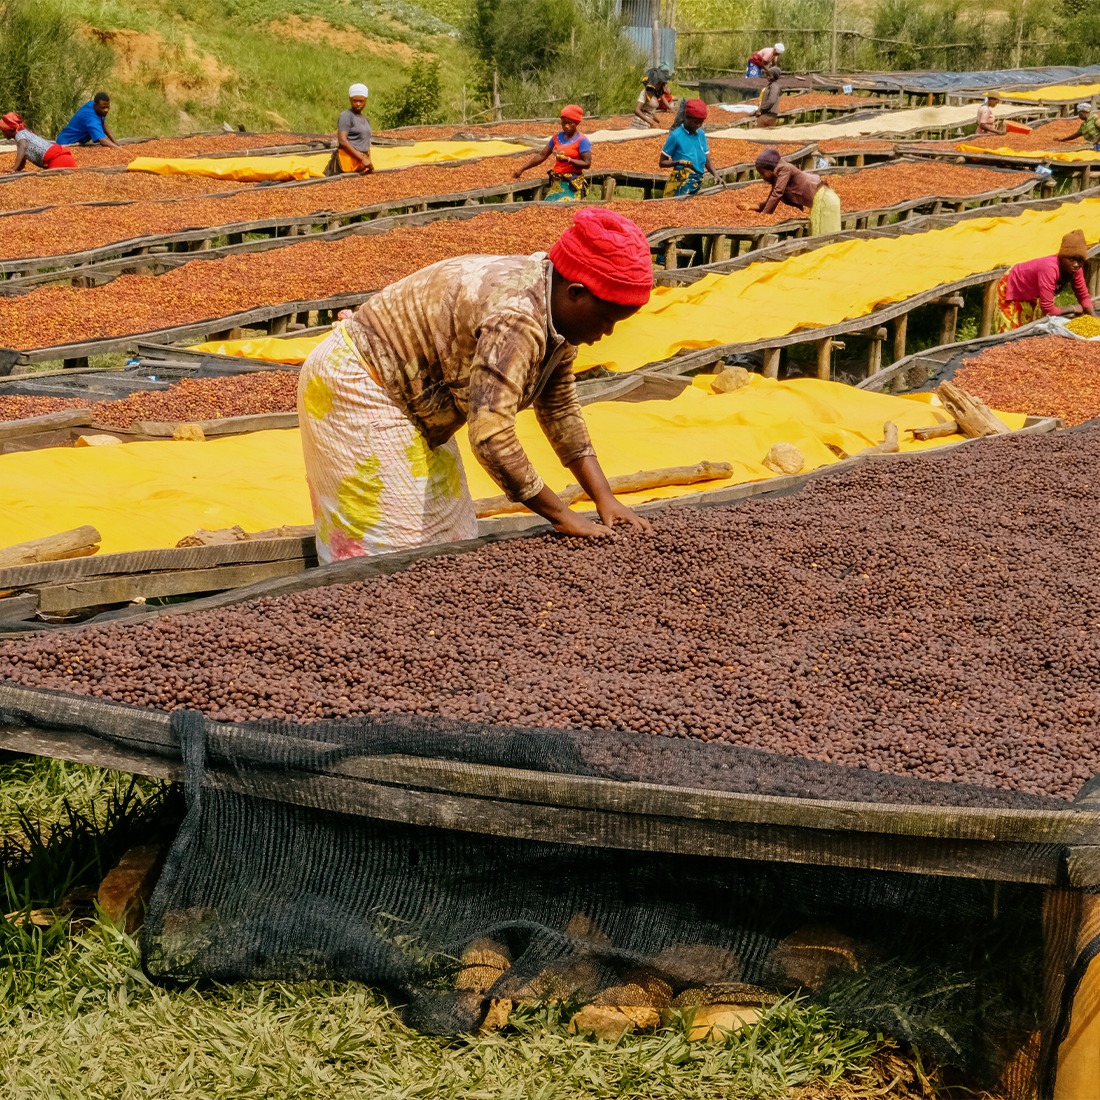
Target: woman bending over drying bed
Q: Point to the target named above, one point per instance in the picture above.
(794, 187)
(1026, 291)
(470, 340)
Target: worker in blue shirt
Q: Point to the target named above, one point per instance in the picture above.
(686, 152)
(90, 124)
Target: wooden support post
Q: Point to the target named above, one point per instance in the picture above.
(719, 249)
(874, 351)
(989, 305)
(671, 253)
(510, 195)
(771, 362)
(950, 319)
(1094, 276)
(901, 330)
(609, 188)
(825, 359)
(277, 325)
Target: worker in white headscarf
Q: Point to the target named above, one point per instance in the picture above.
(352, 152)
(760, 60)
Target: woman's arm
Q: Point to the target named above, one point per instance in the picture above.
(714, 172)
(343, 143)
(782, 176)
(20, 155)
(1081, 289)
(536, 158)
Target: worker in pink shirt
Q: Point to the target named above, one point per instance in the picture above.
(760, 60)
(987, 122)
(1027, 291)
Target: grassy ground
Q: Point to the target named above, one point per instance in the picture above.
(79, 1019)
(263, 64)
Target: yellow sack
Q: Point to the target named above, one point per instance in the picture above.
(1033, 155)
(312, 166)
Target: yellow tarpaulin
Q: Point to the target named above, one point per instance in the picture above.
(1055, 93)
(272, 349)
(146, 495)
(301, 167)
(830, 284)
(1033, 154)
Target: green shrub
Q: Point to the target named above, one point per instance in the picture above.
(47, 68)
(416, 102)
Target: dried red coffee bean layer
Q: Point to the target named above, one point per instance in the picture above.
(1042, 375)
(929, 617)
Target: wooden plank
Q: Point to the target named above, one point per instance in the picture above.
(78, 542)
(70, 596)
(32, 425)
(145, 561)
(997, 860)
(14, 609)
(260, 422)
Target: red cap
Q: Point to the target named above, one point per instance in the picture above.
(12, 121)
(695, 108)
(573, 111)
(608, 253)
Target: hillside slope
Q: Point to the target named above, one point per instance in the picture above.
(183, 65)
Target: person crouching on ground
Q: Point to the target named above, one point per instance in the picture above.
(686, 152)
(470, 340)
(352, 152)
(1026, 291)
(572, 155)
(794, 187)
(1089, 130)
(29, 147)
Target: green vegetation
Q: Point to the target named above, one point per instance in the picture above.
(416, 103)
(47, 70)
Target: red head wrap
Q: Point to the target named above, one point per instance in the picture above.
(608, 253)
(12, 121)
(695, 108)
(573, 112)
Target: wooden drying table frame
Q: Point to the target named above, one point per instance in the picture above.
(75, 585)
(1055, 849)
(871, 326)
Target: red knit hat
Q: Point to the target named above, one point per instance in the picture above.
(608, 253)
(12, 121)
(573, 112)
(695, 108)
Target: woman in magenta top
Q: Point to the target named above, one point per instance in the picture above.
(572, 155)
(1027, 291)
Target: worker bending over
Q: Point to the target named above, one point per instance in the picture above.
(1089, 129)
(763, 58)
(572, 155)
(686, 152)
(987, 123)
(39, 151)
(470, 340)
(352, 152)
(89, 124)
(794, 187)
(1026, 292)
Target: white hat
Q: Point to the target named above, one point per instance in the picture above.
(780, 48)
(1083, 107)
(358, 89)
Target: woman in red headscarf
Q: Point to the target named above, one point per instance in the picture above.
(468, 341)
(29, 146)
(572, 155)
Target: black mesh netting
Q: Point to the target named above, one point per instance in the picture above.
(276, 874)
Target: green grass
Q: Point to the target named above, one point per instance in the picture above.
(267, 76)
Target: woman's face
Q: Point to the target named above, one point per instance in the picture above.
(569, 126)
(1070, 265)
(358, 102)
(767, 175)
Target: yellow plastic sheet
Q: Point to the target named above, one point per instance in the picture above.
(147, 495)
(301, 167)
(1033, 154)
(272, 349)
(1055, 93)
(834, 283)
